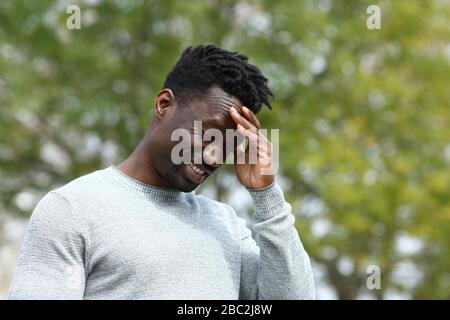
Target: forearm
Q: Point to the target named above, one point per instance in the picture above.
(284, 270)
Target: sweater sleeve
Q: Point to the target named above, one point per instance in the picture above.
(274, 263)
(51, 262)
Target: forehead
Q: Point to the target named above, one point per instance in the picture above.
(215, 106)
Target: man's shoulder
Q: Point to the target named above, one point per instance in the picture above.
(59, 206)
(86, 186)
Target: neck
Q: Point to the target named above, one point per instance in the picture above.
(140, 167)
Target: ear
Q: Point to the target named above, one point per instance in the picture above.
(164, 102)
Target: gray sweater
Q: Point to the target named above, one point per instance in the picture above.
(108, 236)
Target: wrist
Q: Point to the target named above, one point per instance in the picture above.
(267, 200)
(262, 183)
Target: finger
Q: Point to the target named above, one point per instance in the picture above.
(262, 142)
(240, 155)
(239, 119)
(265, 150)
(251, 117)
(256, 141)
(250, 134)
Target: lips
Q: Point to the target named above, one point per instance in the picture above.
(195, 174)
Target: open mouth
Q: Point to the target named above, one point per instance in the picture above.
(197, 169)
(195, 174)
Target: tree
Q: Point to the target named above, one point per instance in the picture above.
(363, 114)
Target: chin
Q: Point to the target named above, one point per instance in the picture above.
(187, 188)
(184, 186)
(178, 181)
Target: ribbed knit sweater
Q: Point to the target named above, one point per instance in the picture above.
(106, 235)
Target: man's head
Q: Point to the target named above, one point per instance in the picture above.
(205, 82)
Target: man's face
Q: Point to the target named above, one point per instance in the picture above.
(213, 112)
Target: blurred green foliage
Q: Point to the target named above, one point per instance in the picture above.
(364, 115)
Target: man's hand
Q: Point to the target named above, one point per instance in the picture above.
(252, 174)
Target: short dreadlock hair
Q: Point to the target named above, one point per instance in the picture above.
(199, 68)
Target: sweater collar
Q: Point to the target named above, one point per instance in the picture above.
(155, 193)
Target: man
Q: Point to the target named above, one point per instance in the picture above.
(138, 231)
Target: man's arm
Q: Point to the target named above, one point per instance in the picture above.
(51, 263)
(275, 266)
